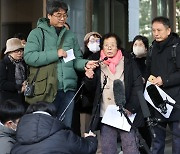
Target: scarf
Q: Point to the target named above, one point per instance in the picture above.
(112, 62)
(19, 70)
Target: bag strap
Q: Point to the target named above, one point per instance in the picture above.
(62, 41)
(173, 52)
(60, 46)
(43, 39)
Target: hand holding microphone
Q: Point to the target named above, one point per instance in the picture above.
(100, 61)
(89, 68)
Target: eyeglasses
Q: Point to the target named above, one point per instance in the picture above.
(19, 50)
(97, 40)
(60, 15)
(112, 46)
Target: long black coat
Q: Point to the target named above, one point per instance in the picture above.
(133, 83)
(42, 134)
(161, 64)
(8, 87)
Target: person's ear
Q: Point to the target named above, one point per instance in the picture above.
(49, 16)
(169, 31)
(8, 123)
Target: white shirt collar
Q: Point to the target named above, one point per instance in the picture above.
(41, 112)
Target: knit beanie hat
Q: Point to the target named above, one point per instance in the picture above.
(13, 44)
(87, 36)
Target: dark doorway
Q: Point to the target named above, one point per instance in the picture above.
(9, 29)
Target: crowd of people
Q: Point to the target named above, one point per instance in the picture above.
(84, 88)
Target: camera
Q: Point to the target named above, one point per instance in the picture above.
(29, 90)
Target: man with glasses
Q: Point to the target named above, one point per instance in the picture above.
(166, 71)
(58, 40)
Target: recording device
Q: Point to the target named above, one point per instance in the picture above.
(119, 94)
(156, 98)
(100, 61)
(146, 112)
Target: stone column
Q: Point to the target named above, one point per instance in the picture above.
(88, 20)
(172, 14)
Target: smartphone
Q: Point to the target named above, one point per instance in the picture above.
(151, 78)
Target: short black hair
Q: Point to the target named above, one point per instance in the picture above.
(42, 106)
(108, 35)
(165, 21)
(20, 36)
(10, 110)
(143, 39)
(54, 6)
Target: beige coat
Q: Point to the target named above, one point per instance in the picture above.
(108, 95)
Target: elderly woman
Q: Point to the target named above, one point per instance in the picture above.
(118, 66)
(13, 72)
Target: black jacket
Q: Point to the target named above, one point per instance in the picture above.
(133, 83)
(42, 134)
(8, 87)
(161, 63)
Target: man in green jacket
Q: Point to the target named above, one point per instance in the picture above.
(54, 30)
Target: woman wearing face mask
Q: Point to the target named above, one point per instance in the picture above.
(10, 112)
(84, 99)
(91, 44)
(139, 49)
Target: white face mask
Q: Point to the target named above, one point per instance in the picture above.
(139, 51)
(93, 47)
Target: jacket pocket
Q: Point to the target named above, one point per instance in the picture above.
(40, 85)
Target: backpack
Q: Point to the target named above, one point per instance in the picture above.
(173, 52)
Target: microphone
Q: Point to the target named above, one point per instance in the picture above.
(146, 112)
(100, 61)
(119, 93)
(156, 98)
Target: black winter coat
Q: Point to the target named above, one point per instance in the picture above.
(42, 134)
(133, 83)
(161, 63)
(8, 87)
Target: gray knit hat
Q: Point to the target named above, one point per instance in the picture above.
(87, 36)
(13, 44)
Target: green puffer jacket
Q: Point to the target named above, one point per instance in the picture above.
(34, 56)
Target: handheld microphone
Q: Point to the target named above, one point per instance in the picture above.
(156, 98)
(100, 61)
(119, 93)
(146, 112)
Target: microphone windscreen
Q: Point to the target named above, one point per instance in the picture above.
(143, 104)
(119, 92)
(155, 96)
